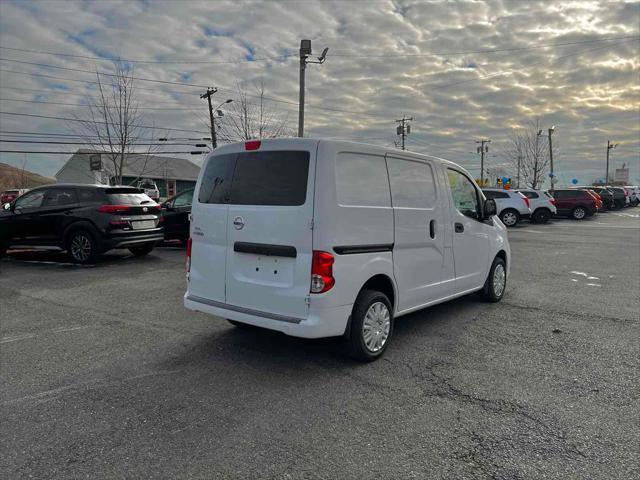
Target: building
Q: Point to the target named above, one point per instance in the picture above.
(172, 175)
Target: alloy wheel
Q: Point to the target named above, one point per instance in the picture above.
(81, 247)
(509, 219)
(499, 279)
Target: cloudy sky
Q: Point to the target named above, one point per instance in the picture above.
(463, 70)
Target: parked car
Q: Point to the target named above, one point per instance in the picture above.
(512, 206)
(10, 195)
(620, 196)
(150, 189)
(175, 216)
(542, 204)
(606, 195)
(633, 192)
(596, 196)
(84, 220)
(575, 203)
(319, 238)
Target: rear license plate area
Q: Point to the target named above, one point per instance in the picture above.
(143, 224)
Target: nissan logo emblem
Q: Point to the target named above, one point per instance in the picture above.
(145, 209)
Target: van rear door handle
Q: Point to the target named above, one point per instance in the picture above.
(432, 229)
(459, 227)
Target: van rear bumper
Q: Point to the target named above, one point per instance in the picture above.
(321, 322)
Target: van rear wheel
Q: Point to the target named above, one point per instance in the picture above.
(371, 326)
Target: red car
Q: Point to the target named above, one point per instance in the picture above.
(576, 204)
(10, 195)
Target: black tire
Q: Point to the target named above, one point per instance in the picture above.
(579, 213)
(3, 250)
(357, 342)
(492, 291)
(541, 215)
(509, 217)
(82, 247)
(142, 250)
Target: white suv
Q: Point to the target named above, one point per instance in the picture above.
(542, 204)
(319, 238)
(150, 188)
(512, 206)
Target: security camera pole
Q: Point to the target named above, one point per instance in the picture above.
(305, 51)
(482, 149)
(609, 147)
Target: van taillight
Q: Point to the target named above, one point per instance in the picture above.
(252, 145)
(189, 254)
(322, 272)
(113, 209)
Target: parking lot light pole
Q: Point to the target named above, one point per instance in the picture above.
(609, 147)
(305, 51)
(551, 174)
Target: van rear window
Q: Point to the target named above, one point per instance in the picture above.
(258, 178)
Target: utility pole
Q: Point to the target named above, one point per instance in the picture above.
(519, 163)
(305, 51)
(551, 174)
(211, 91)
(609, 147)
(482, 149)
(404, 128)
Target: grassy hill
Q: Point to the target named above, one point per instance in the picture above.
(13, 177)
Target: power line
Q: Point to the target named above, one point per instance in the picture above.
(78, 120)
(97, 151)
(50, 142)
(87, 105)
(14, 133)
(343, 55)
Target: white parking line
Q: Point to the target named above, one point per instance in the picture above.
(27, 336)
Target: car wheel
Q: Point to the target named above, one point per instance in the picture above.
(509, 217)
(142, 250)
(542, 215)
(371, 326)
(496, 282)
(82, 247)
(579, 213)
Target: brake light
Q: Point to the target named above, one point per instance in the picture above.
(322, 272)
(113, 209)
(552, 201)
(526, 200)
(252, 145)
(189, 254)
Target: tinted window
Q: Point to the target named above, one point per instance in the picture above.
(127, 196)
(59, 196)
(184, 199)
(270, 178)
(30, 200)
(89, 195)
(362, 180)
(216, 179)
(529, 194)
(493, 194)
(464, 194)
(412, 183)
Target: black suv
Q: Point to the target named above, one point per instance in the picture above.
(84, 220)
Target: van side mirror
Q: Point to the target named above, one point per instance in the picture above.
(490, 208)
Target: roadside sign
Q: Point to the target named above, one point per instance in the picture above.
(95, 162)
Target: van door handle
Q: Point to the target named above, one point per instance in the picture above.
(432, 229)
(459, 227)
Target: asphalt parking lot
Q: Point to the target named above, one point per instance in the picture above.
(105, 374)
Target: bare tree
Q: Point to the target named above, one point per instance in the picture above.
(249, 116)
(112, 125)
(529, 147)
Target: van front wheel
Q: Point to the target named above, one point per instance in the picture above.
(371, 326)
(496, 282)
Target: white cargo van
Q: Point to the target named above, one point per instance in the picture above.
(319, 238)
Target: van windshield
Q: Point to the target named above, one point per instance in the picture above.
(256, 178)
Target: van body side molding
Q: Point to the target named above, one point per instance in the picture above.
(353, 249)
(265, 249)
(248, 311)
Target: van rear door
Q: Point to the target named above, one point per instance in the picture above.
(269, 229)
(209, 229)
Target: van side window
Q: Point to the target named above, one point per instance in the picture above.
(216, 179)
(464, 194)
(412, 183)
(361, 180)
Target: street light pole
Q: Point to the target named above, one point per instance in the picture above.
(482, 150)
(609, 147)
(551, 174)
(305, 51)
